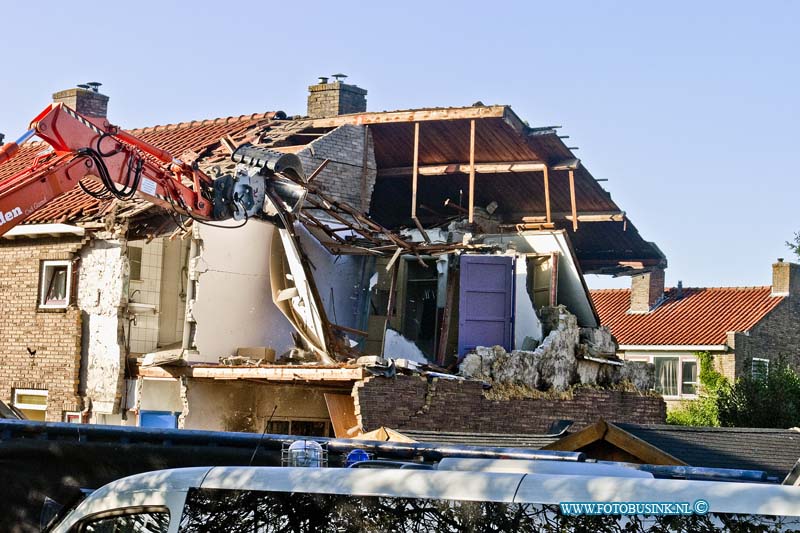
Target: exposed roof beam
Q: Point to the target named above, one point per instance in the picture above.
(609, 216)
(463, 168)
(412, 115)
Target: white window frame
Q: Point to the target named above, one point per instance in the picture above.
(760, 360)
(141, 263)
(68, 414)
(43, 290)
(31, 392)
(651, 358)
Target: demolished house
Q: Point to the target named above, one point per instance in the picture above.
(432, 277)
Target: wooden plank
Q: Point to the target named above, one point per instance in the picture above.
(547, 195)
(639, 448)
(572, 200)
(578, 440)
(447, 316)
(342, 410)
(413, 115)
(365, 172)
(472, 171)
(499, 167)
(414, 172)
(287, 373)
(609, 216)
(390, 304)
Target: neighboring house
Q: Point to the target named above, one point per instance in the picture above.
(126, 316)
(743, 327)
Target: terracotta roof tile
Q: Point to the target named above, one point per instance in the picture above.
(196, 136)
(702, 316)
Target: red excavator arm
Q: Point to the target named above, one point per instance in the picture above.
(92, 150)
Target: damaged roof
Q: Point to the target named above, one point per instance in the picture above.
(510, 155)
(200, 137)
(690, 317)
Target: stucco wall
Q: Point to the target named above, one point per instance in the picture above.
(101, 288)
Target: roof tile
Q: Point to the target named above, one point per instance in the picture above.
(701, 316)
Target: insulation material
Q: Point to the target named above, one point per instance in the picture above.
(101, 285)
(294, 296)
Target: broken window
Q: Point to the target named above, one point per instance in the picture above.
(306, 428)
(542, 279)
(32, 403)
(135, 261)
(55, 284)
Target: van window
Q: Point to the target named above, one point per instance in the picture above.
(262, 512)
(133, 522)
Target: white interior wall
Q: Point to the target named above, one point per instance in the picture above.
(144, 334)
(571, 290)
(233, 300)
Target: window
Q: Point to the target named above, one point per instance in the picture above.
(667, 375)
(55, 284)
(759, 368)
(128, 522)
(158, 419)
(307, 428)
(135, 260)
(688, 377)
(32, 403)
(73, 417)
(676, 375)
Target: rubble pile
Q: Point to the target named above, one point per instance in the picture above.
(568, 356)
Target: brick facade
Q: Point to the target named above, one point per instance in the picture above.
(337, 98)
(408, 402)
(54, 335)
(775, 335)
(351, 171)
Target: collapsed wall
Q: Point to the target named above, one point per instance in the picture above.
(420, 403)
(568, 356)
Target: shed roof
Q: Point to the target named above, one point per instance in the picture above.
(699, 316)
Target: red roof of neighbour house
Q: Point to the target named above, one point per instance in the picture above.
(196, 136)
(702, 316)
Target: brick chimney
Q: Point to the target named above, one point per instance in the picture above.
(646, 290)
(86, 99)
(785, 278)
(335, 98)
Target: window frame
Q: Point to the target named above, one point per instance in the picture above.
(682, 357)
(43, 267)
(68, 414)
(31, 392)
(762, 360)
(80, 527)
(131, 262)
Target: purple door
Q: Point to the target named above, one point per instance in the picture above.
(486, 301)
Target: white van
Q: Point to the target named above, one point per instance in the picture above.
(456, 496)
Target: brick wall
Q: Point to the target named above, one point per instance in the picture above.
(777, 334)
(410, 402)
(86, 102)
(346, 175)
(54, 335)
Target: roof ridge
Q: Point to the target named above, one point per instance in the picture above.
(205, 122)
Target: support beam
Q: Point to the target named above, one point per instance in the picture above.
(589, 216)
(417, 115)
(572, 200)
(547, 195)
(499, 167)
(414, 172)
(472, 170)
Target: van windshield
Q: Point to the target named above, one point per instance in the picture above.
(255, 511)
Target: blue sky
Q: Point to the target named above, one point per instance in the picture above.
(689, 109)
